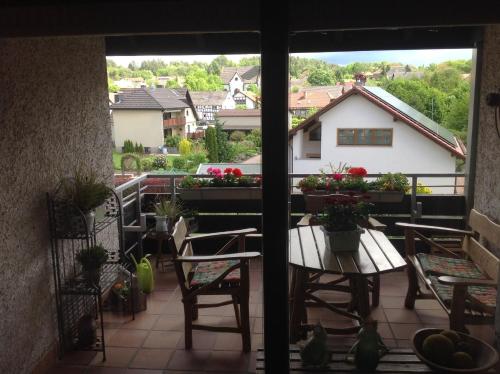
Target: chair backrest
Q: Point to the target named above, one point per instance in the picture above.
(489, 235)
(180, 248)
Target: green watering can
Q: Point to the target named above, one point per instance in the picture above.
(144, 273)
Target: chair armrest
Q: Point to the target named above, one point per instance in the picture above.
(433, 228)
(230, 256)
(221, 234)
(455, 281)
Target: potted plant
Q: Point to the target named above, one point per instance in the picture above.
(86, 192)
(340, 222)
(167, 212)
(229, 184)
(92, 260)
(389, 188)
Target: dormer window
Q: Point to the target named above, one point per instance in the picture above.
(235, 78)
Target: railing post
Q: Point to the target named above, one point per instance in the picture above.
(172, 189)
(414, 180)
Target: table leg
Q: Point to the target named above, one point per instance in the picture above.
(301, 276)
(363, 296)
(158, 251)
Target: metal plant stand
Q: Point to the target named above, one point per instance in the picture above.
(76, 299)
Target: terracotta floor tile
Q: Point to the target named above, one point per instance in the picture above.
(68, 370)
(404, 330)
(104, 370)
(401, 315)
(258, 326)
(257, 341)
(202, 340)
(403, 343)
(188, 360)
(169, 323)
(208, 320)
(252, 362)
(162, 339)
(433, 316)
(384, 330)
(78, 358)
(427, 304)
(156, 307)
(127, 338)
(160, 295)
(228, 342)
(378, 314)
(143, 321)
(115, 357)
(151, 358)
(174, 307)
(145, 371)
(226, 361)
(392, 301)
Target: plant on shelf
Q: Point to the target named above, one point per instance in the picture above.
(167, 212)
(92, 260)
(392, 182)
(87, 192)
(340, 221)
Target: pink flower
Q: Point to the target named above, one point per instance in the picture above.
(209, 170)
(338, 177)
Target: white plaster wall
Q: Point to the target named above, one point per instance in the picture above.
(228, 102)
(141, 126)
(48, 129)
(235, 83)
(240, 123)
(190, 120)
(250, 104)
(410, 152)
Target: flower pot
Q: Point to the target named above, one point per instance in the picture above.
(221, 193)
(342, 241)
(92, 275)
(385, 196)
(90, 220)
(86, 331)
(161, 224)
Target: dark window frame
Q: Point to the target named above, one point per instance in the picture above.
(356, 136)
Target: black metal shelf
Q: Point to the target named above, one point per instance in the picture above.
(75, 297)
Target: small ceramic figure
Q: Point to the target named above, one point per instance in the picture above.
(315, 352)
(369, 347)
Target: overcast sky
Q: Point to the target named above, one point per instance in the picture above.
(411, 57)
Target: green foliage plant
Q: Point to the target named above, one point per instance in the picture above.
(344, 213)
(179, 163)
(224, 149)
(147, 163)
(129, 158)
(159, 162)
(237, 136)
(422, 189)
(255, 137)
(128, 146)
(169, 208)
(172, 141)
(309, 183)
(92, 258)
(85, 190)
(211, 144)
(184, 147)
(392, 182)
(139, 148)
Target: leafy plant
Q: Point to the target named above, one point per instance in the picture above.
(237, 136)
(93, 257)
(309, 183)
(169, 208)
(392, 182)
(147, 163)
(85, 190)
(160, 162)
(211, 144)
(128, 146)
(184, 147)
(172, 141)
(344, 213)
(139, 148)
(127, 159)
(179, 162)
(422, 189)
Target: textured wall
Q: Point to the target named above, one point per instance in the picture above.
(487, 187)
(53, 116)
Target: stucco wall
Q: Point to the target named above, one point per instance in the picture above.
(487, 185)
(140, 126)
(54, 116)
(240, 122)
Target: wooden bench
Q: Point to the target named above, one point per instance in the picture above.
(464, 283)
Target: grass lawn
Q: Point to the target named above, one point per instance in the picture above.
(117, 158)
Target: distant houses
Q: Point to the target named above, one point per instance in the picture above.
(315, 97)
(148, 115)
(369, 127)
(209, 103)
(240, 119)
(236, 79)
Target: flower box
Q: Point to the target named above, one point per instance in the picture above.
(220, 193)
(314, 205)
(385, 196)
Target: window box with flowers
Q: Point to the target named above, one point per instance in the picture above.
(340, 221)
(228, 185)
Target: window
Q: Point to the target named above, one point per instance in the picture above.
(167, 115)
(364, 137)
(315, 134)
(187, 112)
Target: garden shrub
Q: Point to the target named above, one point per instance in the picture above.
(147, 163)
(237, 136)
(179, 163)
(131, 162)
(128, 146)
(159, 162)
(139, 148)
(224, 150)
(211, 144)
(184, 147)
(172, 141)
(197, 158)
(255, 137)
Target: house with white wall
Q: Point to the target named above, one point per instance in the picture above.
(209, 103)
(240, 119)
(147, 115)
(369, 127)
(239, 78)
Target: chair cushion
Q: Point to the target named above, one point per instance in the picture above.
(456, 267)
(207, 272)
(483, 294)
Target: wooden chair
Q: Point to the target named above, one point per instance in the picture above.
(218, 274)
(463, 282)
(314, 204)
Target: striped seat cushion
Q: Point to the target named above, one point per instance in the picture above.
(483, 294)
(207, 272)
(456, 267)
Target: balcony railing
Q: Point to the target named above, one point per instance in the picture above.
(442, 209)
(174, 122)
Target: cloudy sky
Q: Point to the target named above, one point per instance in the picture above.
(411, 57)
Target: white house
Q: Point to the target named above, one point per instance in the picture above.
(209, 103)
(237, 79)
(369, 127)
(147, 115)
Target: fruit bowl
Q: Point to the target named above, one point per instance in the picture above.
(484, 355)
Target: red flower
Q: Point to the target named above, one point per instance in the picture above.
(228, 170)
(338, 177)
(237, 172)
(358, 172)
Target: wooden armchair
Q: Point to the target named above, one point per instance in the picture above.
(465, 281)
(219, 274)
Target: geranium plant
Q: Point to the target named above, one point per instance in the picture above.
(344, 213)
(230, 177)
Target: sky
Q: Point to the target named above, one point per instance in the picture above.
(410, 57)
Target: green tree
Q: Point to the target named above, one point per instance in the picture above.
(218, 63)
(199, 80)
(320, 77)
(153, 65)
(224, 149)
(184, 147)
(211, 144)
(112, 87)
(133, 65)
(255, 137)
(249, 61)
(111, 63)
(237, 136)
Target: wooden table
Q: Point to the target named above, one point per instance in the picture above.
(160, 237)
(400, 360)
(310, 259)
